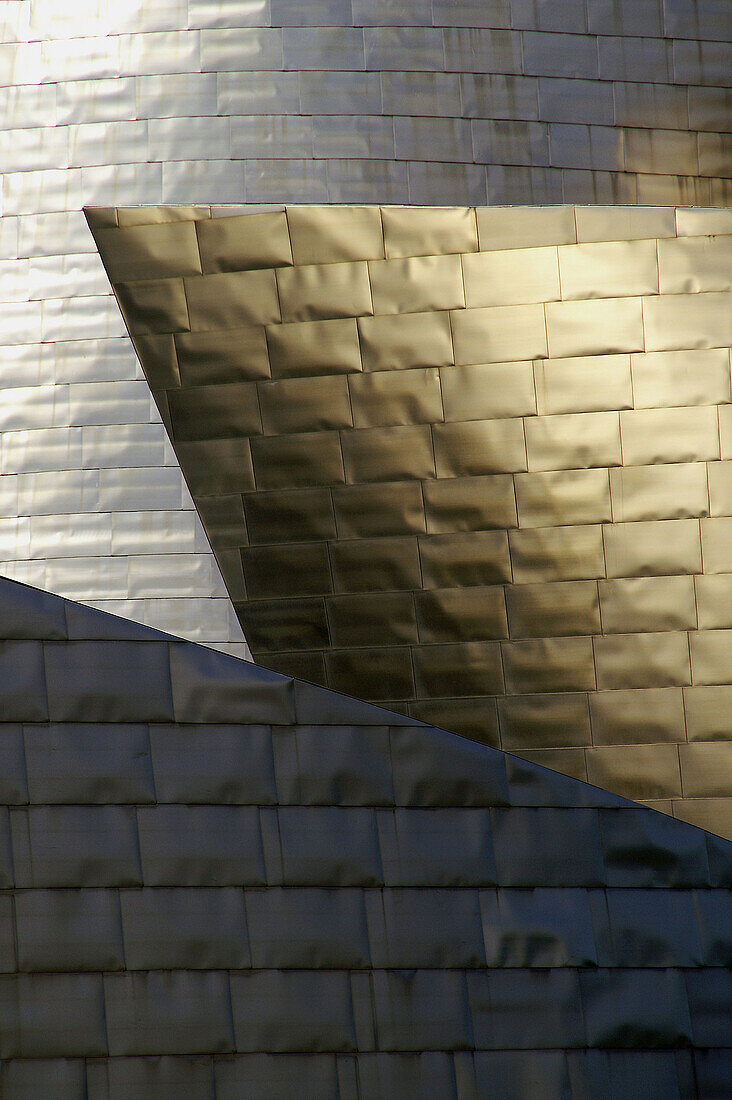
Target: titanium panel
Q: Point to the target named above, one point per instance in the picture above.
(455, 524)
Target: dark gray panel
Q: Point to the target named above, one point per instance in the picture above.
(714, 915)
(23, 681)
(85, 762)
(547, 847)
(515, 1075)
(13, 781)
(281, 1010)
(89, 624)
(469, 775)
(30, 613)
(164, 1078)
(83, 846)
(168, 1012)
(93, 681)
(526, 1008)
(415, 923)
(69, 930)
(277, 1076)
(62, 1078)
(308, 928)
(713, 1071)
(200, 845)
(649, 849)
(436, 847)
(538, 927)
(654, 928)
(710, 1003)
(429, 1075)
(422, 1010)
(179, 929)
(537, 786)
(210, 687)
(621, 1073)
(329, 846)
(217, 764)
(343, 765)
(635, 1008)
(52, 1016)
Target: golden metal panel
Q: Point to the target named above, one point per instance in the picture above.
(556, 554)
(725, 428)
(222, 356)
(151, 251)
(714, 600)
(707, 712)
(668, 491)
(461, 614)
(446, 671)
(687, 321)
(705, 769)
(429, 231)
(711, 656)
(488, 391)
(717, 544)
(469, 503)
(565, 496)
(285, 624)
(388, 454)
(297, 460)
(470, 558)
(720, 488)
(669, 435)
(314, 347)
(244, 243)
(326, 235)
(567, 761)
(161, 362)
(231, 299)
(217, 466)
(395, 397)
(548, 664)
(636, 771)
(215, 412)
(416, 284)
(583, 384)
(712, 814)
(661, 548)
(594, 327)
(275, 571)
(368, 511)
(358, 620)
(499, 334)
(623, 223)
(608, 270)
(304, 404)
(630, 717)
(525, 227)
(381, 674)
(553, 610)
(688, 265)
(574, 441)
(544, 721)
(642, 660)
(375, 565)
(317, 292)
(471, 717)
(289, 516)
(153, 305)
(405, 340)
(511, 277)
(303, 666)
(479, 447)
(642, 604)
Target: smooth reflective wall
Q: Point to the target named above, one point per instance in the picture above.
(246, 101)
(475, 465)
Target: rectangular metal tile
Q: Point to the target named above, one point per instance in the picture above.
(597, 327)
(663, 548)
(647, 603)
(479, 447)
(554, 609)
(652, 715)
(467, 559)
(406, 340)
(556, 553)
(314, 347)
(498, 334)
(583, 384)
(388, 454)
(666, 491)
(565, 497)
(391, 508)
(469, 504)
(461, 614)
(304, 404)
(381, 398)
(575, 441)
(669, 435)
(642, 660)
(312, 292)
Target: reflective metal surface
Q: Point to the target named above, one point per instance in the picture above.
(484, 486)
(261, 101)
(216, 881)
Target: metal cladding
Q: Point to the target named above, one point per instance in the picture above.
(179, 101)
(228, 883)
(471, 464)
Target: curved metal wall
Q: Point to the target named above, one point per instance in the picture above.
(255, 101)
(471, 464)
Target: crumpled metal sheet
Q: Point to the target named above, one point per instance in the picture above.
(475, 466)
(283, 891)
